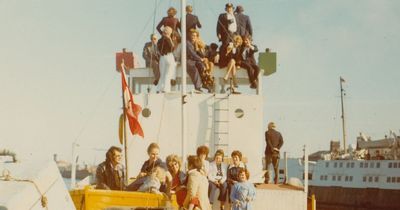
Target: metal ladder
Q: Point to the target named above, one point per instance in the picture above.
(221, 122)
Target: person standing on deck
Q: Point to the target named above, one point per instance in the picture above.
(152, 57)
(244, 27)
(226, 29)
(110, 173)
(192, 21)
(167, 61)
(274, 142)
(170, 21)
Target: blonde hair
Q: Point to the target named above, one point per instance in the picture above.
(271, 125)
(189, 9)
(173, 158)
(152, 146)
(239, 39)
(171, 12)
(167, 30)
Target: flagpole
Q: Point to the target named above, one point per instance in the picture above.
(183, 90)
(124, 123)
(343, 121)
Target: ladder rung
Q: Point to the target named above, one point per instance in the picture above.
(220, 132)
(225, 121)
(221, 109)
(221, 144)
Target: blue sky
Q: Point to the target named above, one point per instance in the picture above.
(58, 82)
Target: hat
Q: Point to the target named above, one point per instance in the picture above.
(239, 8)
(271, 125)
(228, 5)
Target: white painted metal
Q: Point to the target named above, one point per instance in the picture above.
(279, 200)
(20, 191)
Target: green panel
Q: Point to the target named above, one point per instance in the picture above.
(267, 61)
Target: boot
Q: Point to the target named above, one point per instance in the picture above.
(235, 84)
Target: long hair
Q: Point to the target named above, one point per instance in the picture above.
(111, 151)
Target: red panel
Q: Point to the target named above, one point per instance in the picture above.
(128, 59)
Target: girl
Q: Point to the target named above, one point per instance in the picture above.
(243, 192)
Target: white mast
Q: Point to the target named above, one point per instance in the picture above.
(183, 65)
(343, 121)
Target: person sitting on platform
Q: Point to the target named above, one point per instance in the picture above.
(206, 65)
(243, 192)
(248, 61)
(217, 178)
(170, 21)
(152, 57)
(153, 182)
(179, 179)
(202, 153)
(212, 53)
(148, 168)
(233, 58)
(194, 66)
(110, 174)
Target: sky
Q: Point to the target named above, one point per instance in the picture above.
(58, 82)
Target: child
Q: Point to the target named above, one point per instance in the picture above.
(242, 192)
(153, 182)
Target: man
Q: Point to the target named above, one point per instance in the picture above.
(243, 22)
(226, 29)
(192, 21)
(152, 57)
(110, 173)
(274, 143)
(226, 25)
(193, 58)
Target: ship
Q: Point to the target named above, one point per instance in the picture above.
(362, 176)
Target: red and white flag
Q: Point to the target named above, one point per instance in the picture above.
(132, 110)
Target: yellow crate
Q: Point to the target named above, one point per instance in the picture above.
(92, 199)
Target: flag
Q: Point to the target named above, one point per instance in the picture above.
(342, 80)
(131, 109)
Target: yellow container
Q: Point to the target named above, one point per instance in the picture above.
(92, 199)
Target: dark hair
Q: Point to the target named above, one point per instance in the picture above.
(202, 150)
(152, 146)
(171, 12)
(241, 170)
(237, 153)
(194, 162)
(219, 152)
(214, 46)
(111, 151)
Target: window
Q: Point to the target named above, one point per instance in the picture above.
(372, 164)
(352, 164)
(351, 178)
(346, 178)
(388, 179)
(364, 179)
(361, 164)
(390, 165)
(398, 179)
(335, 165)
(327, 165)
(326, 177)
(395, 165)
(378, 165)
(340, 165)
(339, 178)
(376, 179)
(347, 165)
(393, 179)
(333, 178)
(370, 179)
(321, 178)
(366, 165)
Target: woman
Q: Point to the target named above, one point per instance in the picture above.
(170, 21)
(217, 178)
(234, 168)
(148, 167)
(178, 183)
(197, 186)
(167, 61)
(202, 154)
(248, 61)
(233, 58)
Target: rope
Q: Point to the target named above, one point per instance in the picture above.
(7, 177)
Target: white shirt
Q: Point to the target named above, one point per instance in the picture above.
(232, 27)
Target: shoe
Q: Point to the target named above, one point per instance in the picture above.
(155, 82)
(235, 84)
(222, 207)
(198, 90)
(173, 82)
